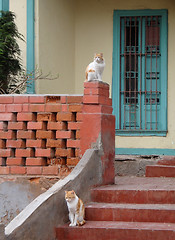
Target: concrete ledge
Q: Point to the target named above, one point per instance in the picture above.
(133, 165)
(39, 219)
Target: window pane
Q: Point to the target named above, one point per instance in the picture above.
(140, 73)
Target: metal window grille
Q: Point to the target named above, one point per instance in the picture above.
(140, 85)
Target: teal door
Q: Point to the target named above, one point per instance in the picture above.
(140, 72)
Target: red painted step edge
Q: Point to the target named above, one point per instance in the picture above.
(134, 196)
(117, 231)
(160, 171)
(130, 212)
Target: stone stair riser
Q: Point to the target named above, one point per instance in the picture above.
(129, 215)
(134, 196)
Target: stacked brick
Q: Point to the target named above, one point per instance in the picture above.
(99, 126)
(97, 106)
(39, 134)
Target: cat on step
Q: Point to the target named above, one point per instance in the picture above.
(76, 208)
(95, 69)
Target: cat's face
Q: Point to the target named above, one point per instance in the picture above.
(70, 195)
(99, 58)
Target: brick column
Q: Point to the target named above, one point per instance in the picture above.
(98, 126)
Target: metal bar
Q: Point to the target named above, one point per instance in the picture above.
(157, 36)
(130, 75)
(138, 54)
(141, 91)
(120, 79)
(145, 68)
(135, 116)
(125, 75)
(151, 46)
(140, 73)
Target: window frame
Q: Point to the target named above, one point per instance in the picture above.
(30, 61)
(116, 69)
(4, 5)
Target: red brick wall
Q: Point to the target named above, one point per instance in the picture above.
(47, 134)
(39, 134)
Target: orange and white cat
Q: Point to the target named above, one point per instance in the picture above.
(76, 208)
(95, 69)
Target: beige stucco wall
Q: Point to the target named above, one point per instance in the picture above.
(94, 33)
(69, 32)
(55, 45)
(54, 42)
(19, 8)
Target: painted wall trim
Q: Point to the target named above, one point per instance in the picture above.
(31, 42)
(144, 151)
(140, 133)
(4, 5)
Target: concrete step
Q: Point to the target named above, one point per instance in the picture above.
(167, 160)
(95, 230)
(114, 195)
(160, 171)
(137, 190)
(133, 165)
(131, 212)
(134, 208)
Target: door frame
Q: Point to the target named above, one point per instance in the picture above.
(116, 68)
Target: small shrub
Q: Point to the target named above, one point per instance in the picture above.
(10, 61)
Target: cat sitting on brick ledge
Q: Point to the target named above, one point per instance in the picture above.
(95, 69)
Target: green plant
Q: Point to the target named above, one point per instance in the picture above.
(10, 61)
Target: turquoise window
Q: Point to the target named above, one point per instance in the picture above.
(139, 87)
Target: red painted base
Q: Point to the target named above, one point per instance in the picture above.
(118, 231)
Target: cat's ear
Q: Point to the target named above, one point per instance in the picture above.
(66, 192)
(101, 54)
(73, 191)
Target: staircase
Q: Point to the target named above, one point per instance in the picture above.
(135, 208)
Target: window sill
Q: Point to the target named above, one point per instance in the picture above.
(140, 133)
